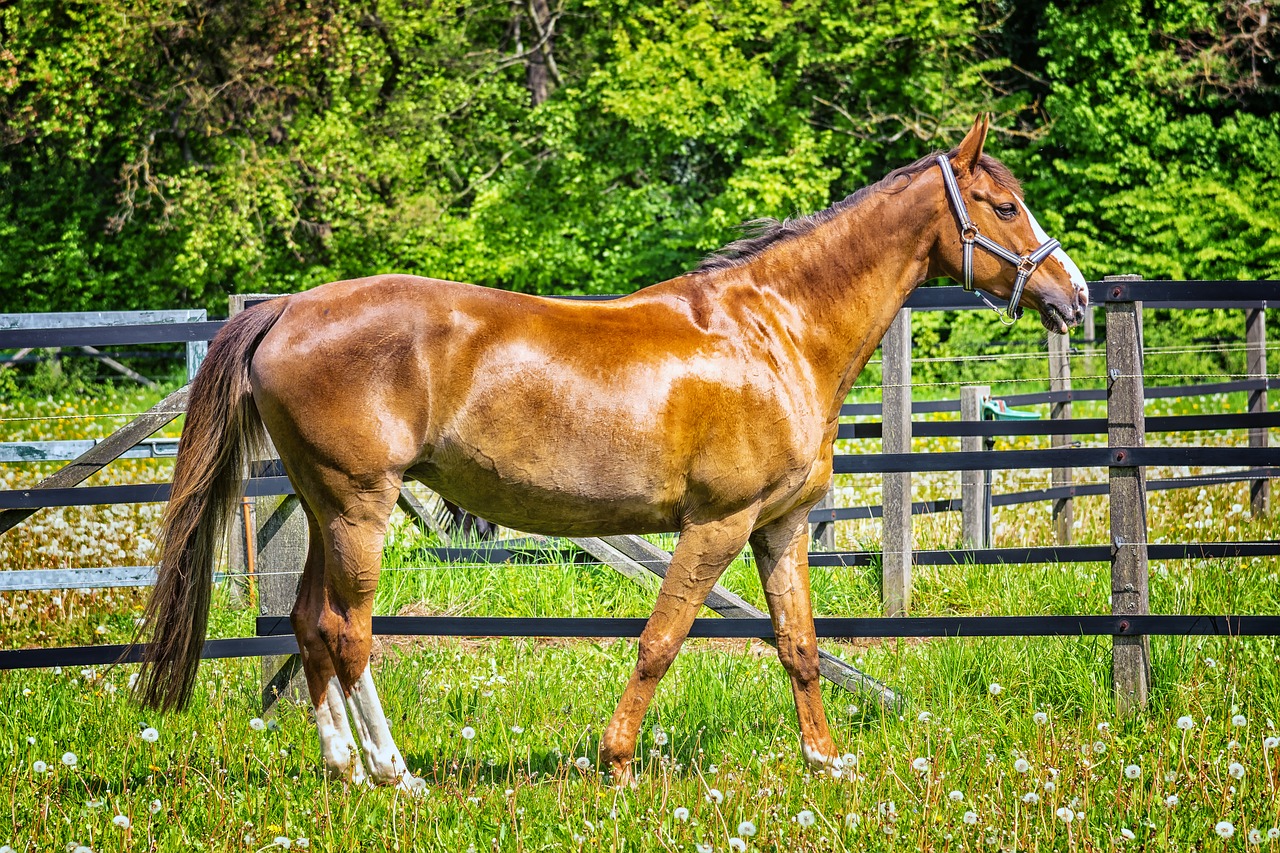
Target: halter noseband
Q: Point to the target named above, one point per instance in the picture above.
(970, 235)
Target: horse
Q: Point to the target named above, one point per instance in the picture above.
(706, 405)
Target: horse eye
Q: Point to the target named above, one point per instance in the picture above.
(1006, 211)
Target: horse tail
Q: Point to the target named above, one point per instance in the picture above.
(221, 433)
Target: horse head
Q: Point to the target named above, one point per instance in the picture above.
(995, 243)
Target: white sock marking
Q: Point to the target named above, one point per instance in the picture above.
(386, 764)
(337, 745)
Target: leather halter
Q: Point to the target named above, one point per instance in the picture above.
(971, 236)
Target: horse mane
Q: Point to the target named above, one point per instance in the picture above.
(767, 232)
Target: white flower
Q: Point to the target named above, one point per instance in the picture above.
(924, 717)
(302, 843)
(1065, 814)
(155, 807)
(747, 828)
(1104, 727)
(1031, 798)
(150, 735)
(282, 841)
(1171, 801)
(1273, 833)
(31, 740)
(703, 848)
(1127, 834)
(121, 821)
(1133, 771)
(69, 759)
(39, 767)
(681, 814)
(852, 819)
(1235, 770)
(5, 848)
(971, 817)
(994, 689)
(80, 848)
(736, 843)
(660, 737)
(1186, 723)
(517, 730)
(1040, 718)
(714, 795)
(1270, 742)
(1224, 828)
(1239, 721)
(582, 762)
(955, 797)
(920, 765)
(806, 818)
(1049, 787)
(468, 733)
(257, 724)
(1022, 765)
(1255, 836)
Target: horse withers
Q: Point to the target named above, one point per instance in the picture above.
(705, 405)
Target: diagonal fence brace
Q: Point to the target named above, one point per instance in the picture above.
(639, 559)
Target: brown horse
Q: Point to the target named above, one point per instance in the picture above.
(706, 405)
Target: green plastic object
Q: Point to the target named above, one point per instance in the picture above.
(996, 410)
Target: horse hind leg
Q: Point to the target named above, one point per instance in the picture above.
(352, 539)
(337, 744)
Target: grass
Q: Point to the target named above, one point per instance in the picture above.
(212, 781)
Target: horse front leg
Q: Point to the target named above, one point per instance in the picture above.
(700, 558)
(782, 558)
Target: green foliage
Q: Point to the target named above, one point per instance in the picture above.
(166, 153)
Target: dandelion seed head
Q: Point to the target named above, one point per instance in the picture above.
(747, 828)
(303, 843)
(1235, 770)
(994, 689)
(258, 724)
(971, 817)
(39, 767)
(1022, 765)
(1099, 748)
(1270, 742)
(1224, 828)
(282, 841)
(924, 717)
(956, 797)
(582, 762)
(681, 814)
(155, 807)
(920, 765)
(1239, 721)
(1127, 834)
(69, 759)
(150, 735)
(1031, 798)
(715, 795)
(1186, 723)
(738, 844)
(703, 848)
(1171, 801)
(468, 733)
(1133, 771)
(1065, 814)
(1040, 718)
(121, 821)
(1273, 833)
(806, 818)
(1255, 836)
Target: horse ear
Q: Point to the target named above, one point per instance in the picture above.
(967, 155)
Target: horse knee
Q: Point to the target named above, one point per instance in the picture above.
(799, 656)
(655, 657)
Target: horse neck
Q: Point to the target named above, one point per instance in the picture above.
(848, 278)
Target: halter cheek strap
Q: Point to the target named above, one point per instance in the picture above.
(971, 236)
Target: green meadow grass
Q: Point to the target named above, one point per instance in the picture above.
(967, 764)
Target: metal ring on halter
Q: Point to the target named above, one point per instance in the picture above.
(970, 235)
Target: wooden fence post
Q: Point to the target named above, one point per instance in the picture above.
(1255, 335)
(1060, 381)
(822, 534)
(895, 571)
(975, 520)
(279, 551)
(1126, 427)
